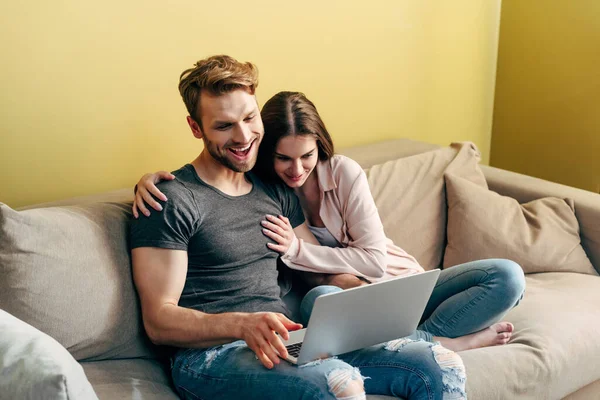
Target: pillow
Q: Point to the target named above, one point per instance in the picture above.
(541, 236)
(66, 271)
(410, 197)
(35, 366)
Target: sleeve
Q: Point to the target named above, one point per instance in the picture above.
(170, 228)
(366, 253)
(291, 207)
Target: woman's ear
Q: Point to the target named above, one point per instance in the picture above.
(195, 127)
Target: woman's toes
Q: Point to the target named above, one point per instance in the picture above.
(504, 326)
(504, 337)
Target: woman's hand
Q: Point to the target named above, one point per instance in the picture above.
(280, 230)
(145, 188)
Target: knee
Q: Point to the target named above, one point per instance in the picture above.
(435, 372)
(510, 275)
(309, 299)
(346, 384)
(453, 373)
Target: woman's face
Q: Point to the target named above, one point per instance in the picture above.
(295, 158)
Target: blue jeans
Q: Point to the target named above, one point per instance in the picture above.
(403, 368)
(466, 298)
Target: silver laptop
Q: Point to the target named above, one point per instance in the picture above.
(360, 317)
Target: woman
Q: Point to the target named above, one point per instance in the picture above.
(467, 300)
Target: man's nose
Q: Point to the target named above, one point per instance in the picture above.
(242, 134)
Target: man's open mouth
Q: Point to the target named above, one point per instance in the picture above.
(241, 152)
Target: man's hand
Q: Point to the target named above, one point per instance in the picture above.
(344, 281)
(259, 331)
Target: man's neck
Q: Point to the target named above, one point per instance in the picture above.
(219, 176)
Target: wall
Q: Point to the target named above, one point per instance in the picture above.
(547, 107)
(89, 89)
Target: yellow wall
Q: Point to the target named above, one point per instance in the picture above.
(547, 108)
(89, 89)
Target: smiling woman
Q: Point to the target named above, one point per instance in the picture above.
(295, 159)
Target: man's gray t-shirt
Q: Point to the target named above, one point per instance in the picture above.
(230, 267)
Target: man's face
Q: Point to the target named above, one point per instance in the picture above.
(231, 128)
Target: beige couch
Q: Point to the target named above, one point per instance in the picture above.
(65, 270)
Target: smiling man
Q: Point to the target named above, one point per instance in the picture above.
(207, 280)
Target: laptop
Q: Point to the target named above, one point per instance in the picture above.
(360, 317)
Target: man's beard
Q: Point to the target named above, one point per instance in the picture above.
(222, 158)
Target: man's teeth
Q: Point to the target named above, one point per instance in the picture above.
(241, 149)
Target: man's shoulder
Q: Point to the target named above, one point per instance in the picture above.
(182, 187)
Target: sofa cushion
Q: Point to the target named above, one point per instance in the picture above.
(66, 271)
(35, 366)
(542, 235)
(554, 349)
(411, 200)
(130, 379)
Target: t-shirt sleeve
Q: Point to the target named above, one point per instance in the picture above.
(291, 207)
(170, 228)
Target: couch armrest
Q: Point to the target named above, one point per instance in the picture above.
(526, 188)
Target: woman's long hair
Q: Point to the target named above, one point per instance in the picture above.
(287, 114)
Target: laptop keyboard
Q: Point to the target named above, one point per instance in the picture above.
(294, 349)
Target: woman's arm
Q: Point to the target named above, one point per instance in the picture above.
(365, 255)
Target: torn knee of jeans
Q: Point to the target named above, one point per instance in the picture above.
(454, 375)
(210, 356)
(339, 379)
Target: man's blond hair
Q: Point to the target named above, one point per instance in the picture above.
(217, 75)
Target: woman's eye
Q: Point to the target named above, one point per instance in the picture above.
(250, 118)
(307, 155)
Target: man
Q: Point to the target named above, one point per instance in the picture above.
(208, 282)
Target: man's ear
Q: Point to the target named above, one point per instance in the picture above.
(195, 127)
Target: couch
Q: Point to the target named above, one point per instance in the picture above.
(70, 317)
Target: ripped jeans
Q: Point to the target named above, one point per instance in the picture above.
(413, 370)
(466, 298)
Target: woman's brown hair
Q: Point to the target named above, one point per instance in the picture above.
(288, 114)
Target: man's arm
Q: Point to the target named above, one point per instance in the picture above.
(159, 276)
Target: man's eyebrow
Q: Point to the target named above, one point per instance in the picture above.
(217, 122)
(245, 114)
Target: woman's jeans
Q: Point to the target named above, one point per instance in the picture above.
(413, 370)
(466, 298)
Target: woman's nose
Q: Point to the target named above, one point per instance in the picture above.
(297, 167)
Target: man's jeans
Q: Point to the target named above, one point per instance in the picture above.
(402, 368)
(467, 298)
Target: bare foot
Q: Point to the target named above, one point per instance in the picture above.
(496, 334)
